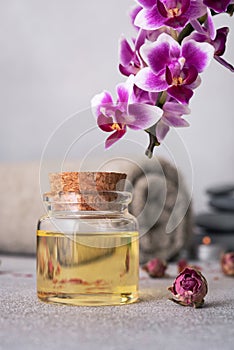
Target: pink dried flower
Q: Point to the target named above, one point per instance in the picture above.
(155, 267)
(227, 264)
(189, 288)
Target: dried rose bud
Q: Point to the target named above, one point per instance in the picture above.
(227, 264)
(155, 267)
(189, 288)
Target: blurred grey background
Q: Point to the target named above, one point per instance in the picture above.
(56, 54)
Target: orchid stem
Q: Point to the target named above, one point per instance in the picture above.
(153, 142)
(162, 99)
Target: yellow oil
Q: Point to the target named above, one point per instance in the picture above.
(88, 269)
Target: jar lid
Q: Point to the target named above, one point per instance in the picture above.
(86, 181)
(87, 190)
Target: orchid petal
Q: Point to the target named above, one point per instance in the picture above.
(100, 100)
(197, 26)
(161, 130)
(126, 53)
(191, 75)
(105, 123)
(185, 6)
(180, 93)
(133, 13)
(149, 19)
(128, 70)
(142, 116)
(147, 80)
(121, 117)
(146, 3)
(153, 96)
(210, 25)
(197, 37)
(196, 9)
(123, 93)
(220, 41)
(158, 54)
(114, 137)
(169, 77)
(175, 108)
(176, 22)
(154, 34)
(161, 8)
(196, 83)
(141, 96)
(140, 39)
(217, 6)
(197, 54)
(172, 120)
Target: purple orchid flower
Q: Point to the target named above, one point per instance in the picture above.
(116, 117)
(218, 6)
(220, 46)
(216, 38)
(172, 13)
(172, 67)
(172, 113)
(130, 60)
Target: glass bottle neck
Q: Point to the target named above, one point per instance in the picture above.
(87, 203)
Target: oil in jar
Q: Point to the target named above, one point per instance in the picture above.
(88, 268)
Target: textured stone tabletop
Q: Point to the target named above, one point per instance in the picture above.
(153, 323)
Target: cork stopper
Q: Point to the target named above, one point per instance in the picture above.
(85, 190)
(86, 181)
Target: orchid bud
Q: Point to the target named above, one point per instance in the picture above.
(189, 288)
(155, 267)
(227, 264)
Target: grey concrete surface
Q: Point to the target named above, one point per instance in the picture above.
(153, 323)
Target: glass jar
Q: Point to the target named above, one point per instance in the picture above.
(87, 249)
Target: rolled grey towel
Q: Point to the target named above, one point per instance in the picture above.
(166, 222)
(20, 207)
(162, 204)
